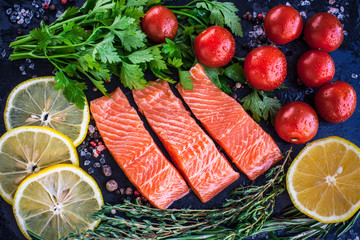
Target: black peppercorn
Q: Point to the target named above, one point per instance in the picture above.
(46, 19)
(19, 32)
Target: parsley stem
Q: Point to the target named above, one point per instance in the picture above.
(188, 15)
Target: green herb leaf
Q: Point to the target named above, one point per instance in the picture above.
(215, 75)
(185, 80)
(105, 50)
(261, 106)
(42, 36)
(175, 62)
(223, 13)
(271, 107)
(73, 90)
(254, 104)
(131, 76)
(235, 72)
(141, 56)
(171, 48)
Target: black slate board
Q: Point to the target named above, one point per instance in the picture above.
(346, 60)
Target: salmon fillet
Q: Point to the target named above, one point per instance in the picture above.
(135, 151)
(251, 149)
(192, 151)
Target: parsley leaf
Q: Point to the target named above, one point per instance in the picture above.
(185, 80)
(131, 76)
(215, 76)
(105, 50)
(271, 107)
(253, 103)
(42, 36)
(223, 13)
(235, 72)
(141, 56)
(264, 107)
(73, 90)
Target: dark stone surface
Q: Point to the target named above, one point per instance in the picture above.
(346, 60)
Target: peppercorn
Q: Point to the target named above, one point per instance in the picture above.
(122, 191)
(136, 193)
(107, 171)
(45, 6)
(260, 16)
(144, 199)
(117, 192)
(288, 53)
(19, 32)
(129, 191)
(63, 2)
(249, 17)
(113, 211)
(111, 185)
(46, 19)
(52, 7)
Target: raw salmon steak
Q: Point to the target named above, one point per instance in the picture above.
(251, 149)
(135, 151)
(192, 151)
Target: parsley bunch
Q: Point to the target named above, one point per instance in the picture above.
(104, 38)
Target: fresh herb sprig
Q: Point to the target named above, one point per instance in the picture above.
(104, 38)
(241, 216)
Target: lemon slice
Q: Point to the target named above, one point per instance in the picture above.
(35, 102)
(324, 180)
(26, 150)
(57, 201)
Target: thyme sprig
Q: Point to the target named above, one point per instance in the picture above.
(241, 216)
(249, 212)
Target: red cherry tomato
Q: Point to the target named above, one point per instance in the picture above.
(324, 31)
(159, 23)
(296, 122)
(265, 68)
(315, 67)
(283, 24)
(335, 101)
(214, 47)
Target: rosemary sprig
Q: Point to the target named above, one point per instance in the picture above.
(241, 216)
(247, 213)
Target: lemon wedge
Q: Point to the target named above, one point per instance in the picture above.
(27, 150)
(324, 180)
(35, 102)
(57, 201)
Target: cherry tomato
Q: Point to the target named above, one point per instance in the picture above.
(265, 68)
(214, 47)
(283, 24)
(159, 23)
(315, 67)
(324, 31)
(296, 122)
(335, 101)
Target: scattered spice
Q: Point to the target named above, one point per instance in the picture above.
(107, 171)
(128, 191)
(111, 185)
(136, 193)
(113, 211)
(122, 191)
(63, 2)
(46, 19)
(52, 7)
(45, 6)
